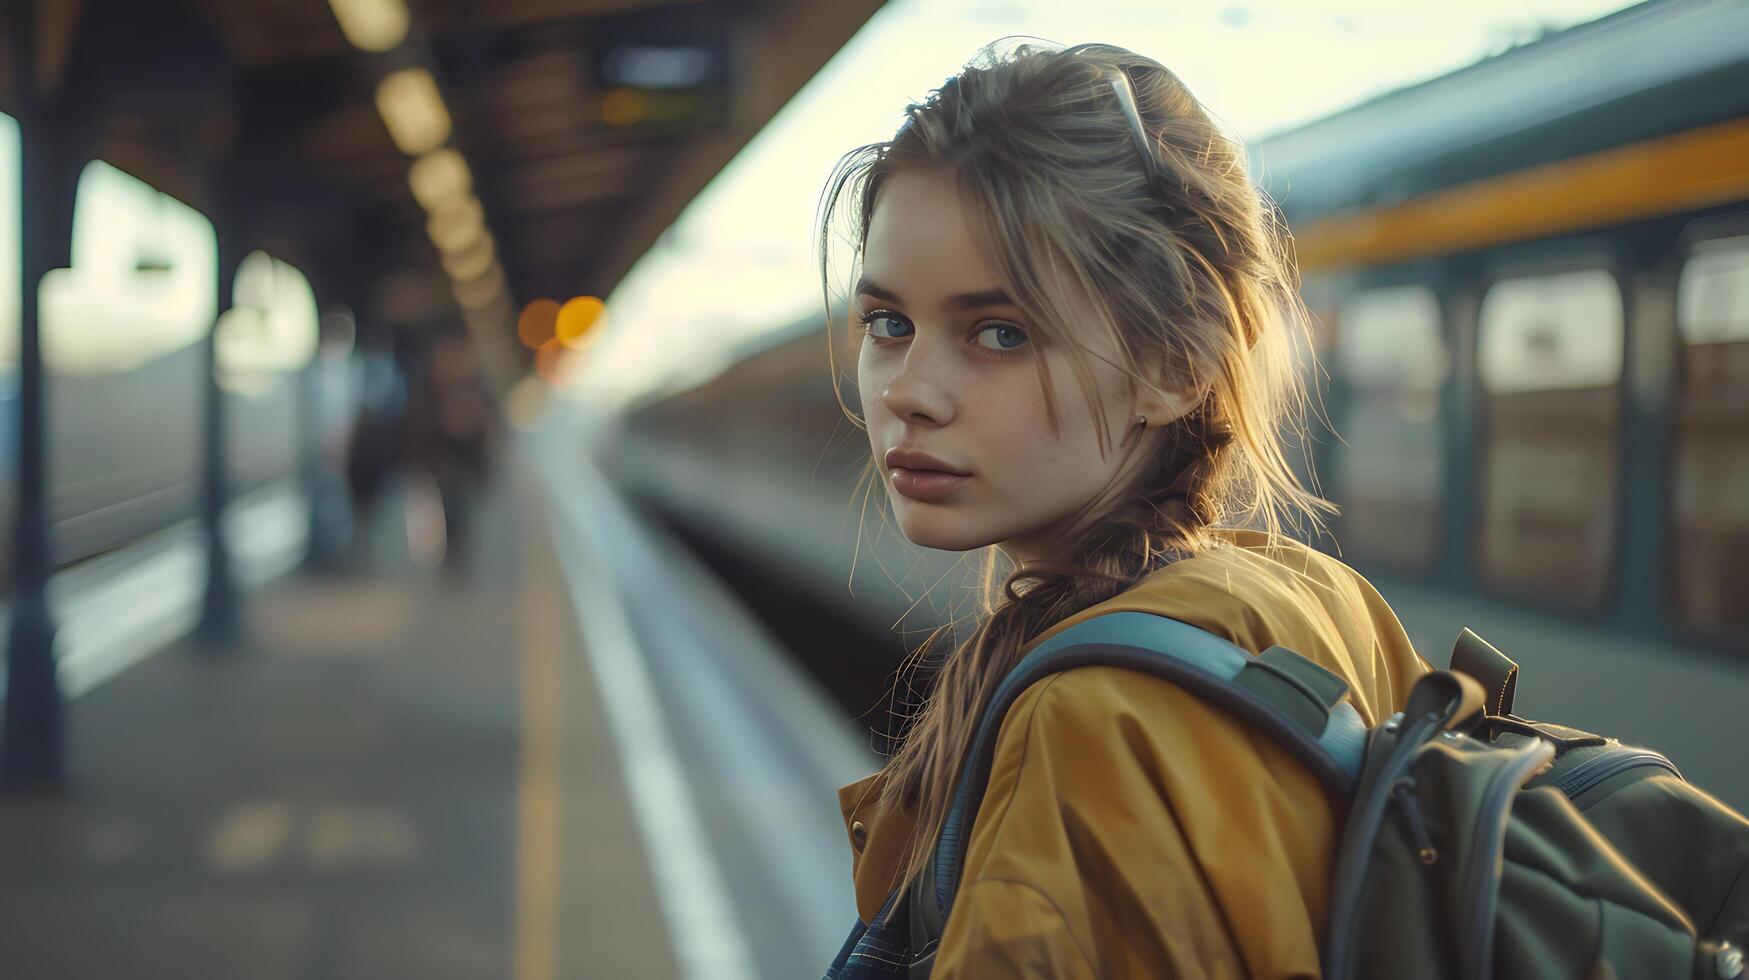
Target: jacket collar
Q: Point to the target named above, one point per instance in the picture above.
(878, 839)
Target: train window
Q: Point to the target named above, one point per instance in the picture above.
(1712, 297)
(1550, 359)
(268, 333)
(143, 282)
(1391, 362)
(1710, 546)
(1550, 333)
(270, 328)
(1320, 293)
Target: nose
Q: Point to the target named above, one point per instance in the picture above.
(920, 392)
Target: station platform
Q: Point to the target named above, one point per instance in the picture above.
(579, 757)
(405, 773)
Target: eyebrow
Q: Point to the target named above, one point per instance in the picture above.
(963, 301)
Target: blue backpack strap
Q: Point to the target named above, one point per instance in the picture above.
(1285, 695)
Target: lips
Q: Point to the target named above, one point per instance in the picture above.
(922, 477)
(916, 459)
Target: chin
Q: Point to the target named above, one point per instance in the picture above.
(942, 530)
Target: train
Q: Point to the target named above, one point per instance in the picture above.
(1529, 280)
(123, 340)
(1531, 284)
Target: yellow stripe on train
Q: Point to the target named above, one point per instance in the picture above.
(1692, 169)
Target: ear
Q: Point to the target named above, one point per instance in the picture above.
(1167, 404)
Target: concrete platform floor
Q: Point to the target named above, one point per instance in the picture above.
(359, 791)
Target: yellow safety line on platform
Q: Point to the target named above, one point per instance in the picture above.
(541, 666)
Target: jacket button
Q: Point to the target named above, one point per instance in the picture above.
(858, 833)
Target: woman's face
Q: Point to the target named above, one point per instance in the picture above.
(949, 368)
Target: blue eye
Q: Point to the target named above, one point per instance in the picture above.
(871, 319)
(1007, 335)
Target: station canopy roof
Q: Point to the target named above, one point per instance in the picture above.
(586, 126)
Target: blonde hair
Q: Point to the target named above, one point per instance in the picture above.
(1190, 268)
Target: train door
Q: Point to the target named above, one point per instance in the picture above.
(1391, 363)
(1710, 496)
(1550, 353)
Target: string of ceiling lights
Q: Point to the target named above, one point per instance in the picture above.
(418, 121)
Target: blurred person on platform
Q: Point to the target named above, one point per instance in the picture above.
(373, 450)
(450, 438)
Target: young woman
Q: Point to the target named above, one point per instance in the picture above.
(1080, 327)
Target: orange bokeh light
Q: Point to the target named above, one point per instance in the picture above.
(576, 317)
(535, 325)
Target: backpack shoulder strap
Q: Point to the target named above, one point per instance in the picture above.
(1295, 701)
(1278, 690)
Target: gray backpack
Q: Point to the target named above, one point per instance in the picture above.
(1475, 843)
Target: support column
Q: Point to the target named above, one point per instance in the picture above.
(316, 479)
(1647, 441)
(221, 619)
(32, 744)
(1461, 406)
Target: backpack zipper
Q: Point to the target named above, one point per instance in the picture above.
(1404, 792)
(1482, 880)
(1606, 764)
(1361, 833)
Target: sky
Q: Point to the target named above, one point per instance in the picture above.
(740, 265)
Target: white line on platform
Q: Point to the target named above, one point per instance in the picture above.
(690, 886)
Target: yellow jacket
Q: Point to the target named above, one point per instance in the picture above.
(1132, 830)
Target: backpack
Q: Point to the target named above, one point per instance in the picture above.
(1474, 843)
